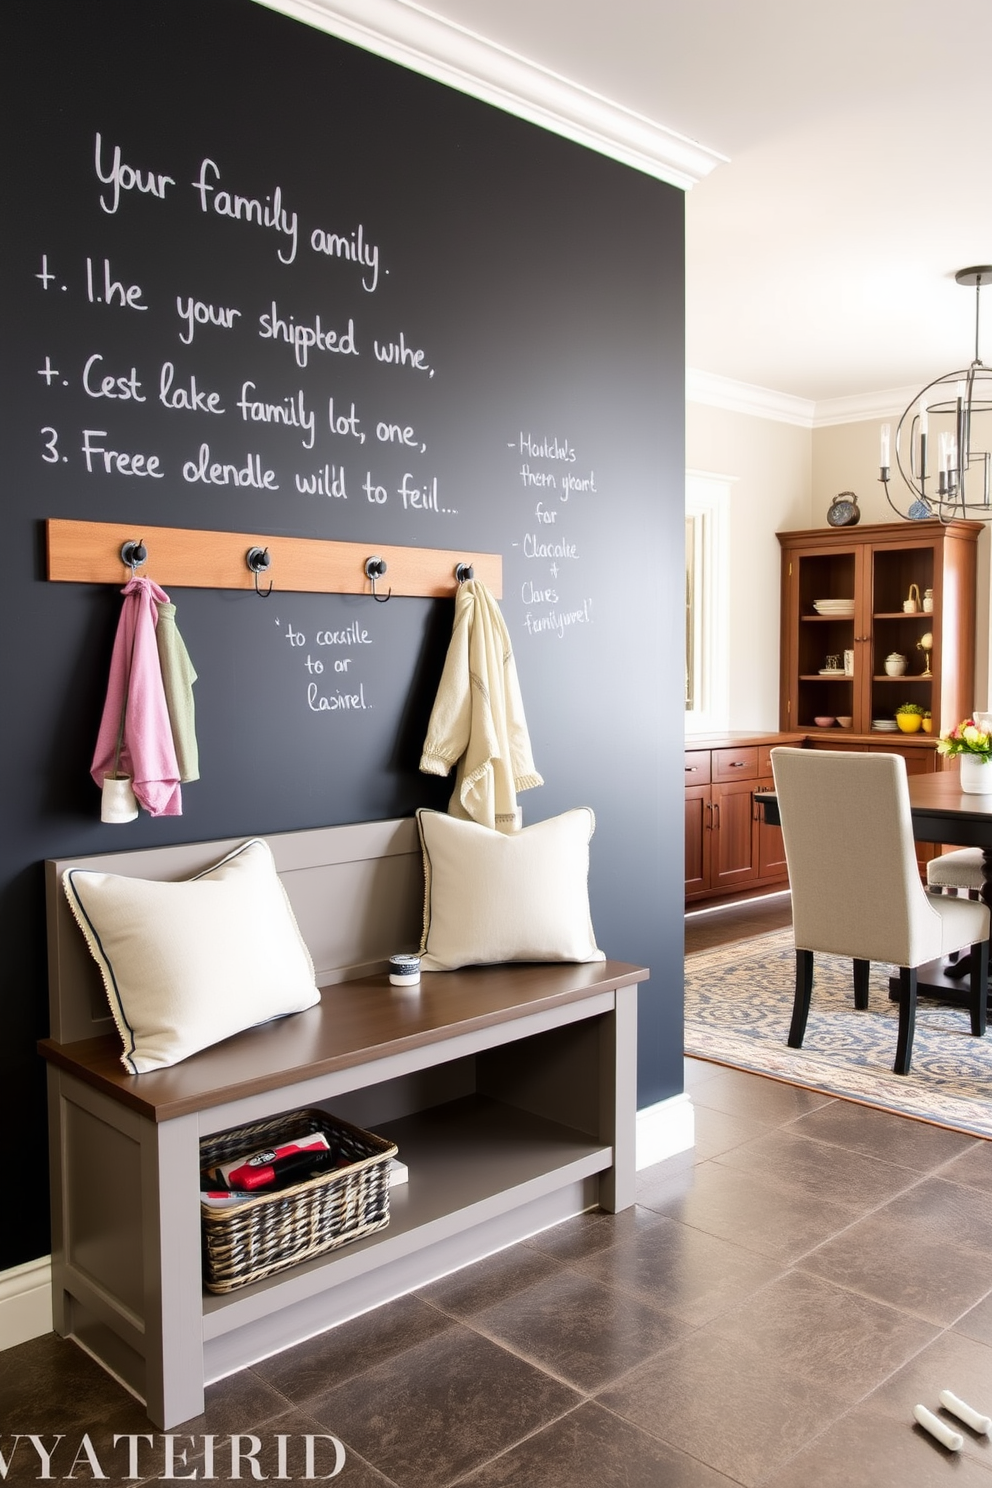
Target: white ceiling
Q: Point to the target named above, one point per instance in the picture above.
(821, 255)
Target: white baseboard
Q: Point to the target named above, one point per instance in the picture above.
(664, 1129)
(25, 1302)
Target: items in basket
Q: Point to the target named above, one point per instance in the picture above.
(277, 1166)
(266, 1230)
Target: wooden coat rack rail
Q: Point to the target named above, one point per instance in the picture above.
(186, 558)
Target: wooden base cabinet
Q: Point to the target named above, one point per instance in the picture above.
(728, 845)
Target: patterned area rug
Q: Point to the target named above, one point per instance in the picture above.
(738, 1004)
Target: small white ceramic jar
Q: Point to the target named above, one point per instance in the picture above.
(895, 664)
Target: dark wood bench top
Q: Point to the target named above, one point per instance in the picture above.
(354, 1023)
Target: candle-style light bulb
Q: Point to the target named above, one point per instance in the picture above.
(923, 415)
(884, 459)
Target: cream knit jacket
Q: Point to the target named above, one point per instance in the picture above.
(477, 722)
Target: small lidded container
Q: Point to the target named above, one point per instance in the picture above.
(404, 970)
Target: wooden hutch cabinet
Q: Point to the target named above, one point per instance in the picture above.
(875, 568)
(729, 849)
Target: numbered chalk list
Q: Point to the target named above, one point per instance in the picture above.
(292, 390)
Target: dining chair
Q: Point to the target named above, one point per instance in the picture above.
(856, 889)
(960, 869)
(958, 872)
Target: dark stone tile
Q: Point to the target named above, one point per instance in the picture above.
(977, 1324)
(717, 1132)
(49, 1385)
(890, 1261)
(489, 1281)
(591, 1445)
(773, 1102)
(696, 1072)
(241, 1402)
(946, 1213)
(751, 1209)
(660, 1189)
(682, 1271)
(594, 1230)
(863, 1447)
(441, 1409)
(973, 1168)
(821, 1169)
(726, 1403)
(351, 1347)
(842, 1342)
(883, 1134)
(585, 1333)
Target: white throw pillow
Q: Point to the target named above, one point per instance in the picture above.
(188, 964)
(506, 896)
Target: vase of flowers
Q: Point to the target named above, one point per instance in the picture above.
(973, 744)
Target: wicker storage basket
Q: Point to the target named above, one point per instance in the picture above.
(266, 1234)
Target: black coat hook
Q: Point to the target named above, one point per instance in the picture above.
(259, 560)
(374, 569)
(133, 554)
(464, 571)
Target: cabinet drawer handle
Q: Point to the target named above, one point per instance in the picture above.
(736, 765)
(716, 816)
(691, 769)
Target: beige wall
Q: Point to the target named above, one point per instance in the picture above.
(771, 465)
(845, 458)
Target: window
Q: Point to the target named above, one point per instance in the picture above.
(707, 672)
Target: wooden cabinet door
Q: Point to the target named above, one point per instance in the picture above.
(812, 573)
(697, 840)
(732, 860)
(769, 844)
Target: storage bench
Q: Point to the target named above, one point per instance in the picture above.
(509, 1091)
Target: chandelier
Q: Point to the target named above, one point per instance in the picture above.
(942, 418)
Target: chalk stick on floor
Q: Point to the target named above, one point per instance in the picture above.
(965, 1413)
(953, 1440)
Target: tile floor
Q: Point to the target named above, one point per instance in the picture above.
(769, 1313)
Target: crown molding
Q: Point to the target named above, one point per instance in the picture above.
(890, 403)
(759, 402)
(745, 397)
(416, 38)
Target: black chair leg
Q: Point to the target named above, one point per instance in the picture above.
(804, 991)
(979, 987)
(907, 1019)
(861, 969)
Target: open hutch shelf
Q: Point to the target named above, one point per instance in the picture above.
(877, 568)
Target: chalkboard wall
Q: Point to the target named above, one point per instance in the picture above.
(257, 279)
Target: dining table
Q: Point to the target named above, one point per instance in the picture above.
(943, 813)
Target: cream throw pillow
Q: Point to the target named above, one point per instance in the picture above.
(506, 896)
(188, 964)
